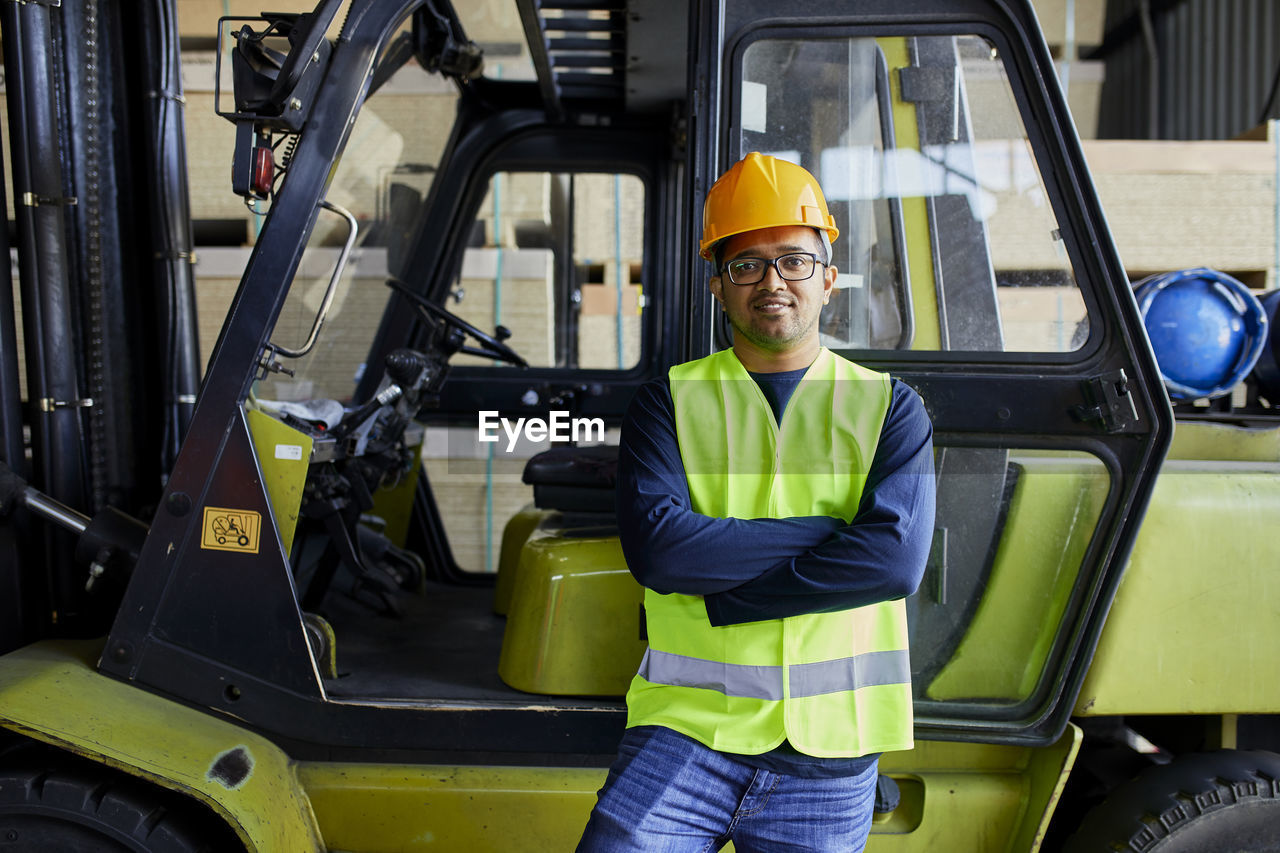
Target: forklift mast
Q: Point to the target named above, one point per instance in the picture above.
(104, 248)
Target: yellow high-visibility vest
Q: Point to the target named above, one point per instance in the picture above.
(833, 684)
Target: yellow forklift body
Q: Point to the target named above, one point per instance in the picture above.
(1193, 629)
(381, 807)
(50, 691)
(954, 796)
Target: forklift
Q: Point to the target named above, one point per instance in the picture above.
(270, 640)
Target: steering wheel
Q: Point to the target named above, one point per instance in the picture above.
(491, 346)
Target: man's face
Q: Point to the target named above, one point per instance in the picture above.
(773, 314)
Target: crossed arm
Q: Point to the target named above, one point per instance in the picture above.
(765, 568)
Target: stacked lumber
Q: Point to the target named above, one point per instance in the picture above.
(1177, 204)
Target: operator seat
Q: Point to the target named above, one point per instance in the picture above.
(574, 479)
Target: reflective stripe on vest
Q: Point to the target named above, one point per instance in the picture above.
(833, 684)
(765, 682)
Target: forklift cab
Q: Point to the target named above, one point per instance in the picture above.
(562, 213)
(413, 296)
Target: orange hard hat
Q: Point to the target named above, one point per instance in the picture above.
(760, 191)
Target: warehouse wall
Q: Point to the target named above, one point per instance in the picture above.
(1215, 62)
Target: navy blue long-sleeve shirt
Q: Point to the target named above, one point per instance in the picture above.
(753, 569)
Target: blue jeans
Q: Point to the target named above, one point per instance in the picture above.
(667, 793)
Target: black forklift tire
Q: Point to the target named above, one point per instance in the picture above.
(1216, 802)
(54, 803)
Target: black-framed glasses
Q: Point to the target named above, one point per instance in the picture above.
(796, 266)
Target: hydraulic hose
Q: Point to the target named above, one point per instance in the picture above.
(33, 77)
(171, 223)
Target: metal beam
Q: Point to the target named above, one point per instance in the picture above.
(581, 25)
(615, 44)
(531, 18)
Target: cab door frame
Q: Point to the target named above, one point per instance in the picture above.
(521, 142)
(1104, 399)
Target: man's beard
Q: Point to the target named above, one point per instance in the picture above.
(789, 334)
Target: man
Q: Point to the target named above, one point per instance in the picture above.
(777, 503)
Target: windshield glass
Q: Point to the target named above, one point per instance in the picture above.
(947, 237)
(387, 169)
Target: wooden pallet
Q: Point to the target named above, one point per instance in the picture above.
(1174, 205)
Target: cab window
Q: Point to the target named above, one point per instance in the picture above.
(557, 257)
(947, 237)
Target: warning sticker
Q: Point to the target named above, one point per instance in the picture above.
(231, 529)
